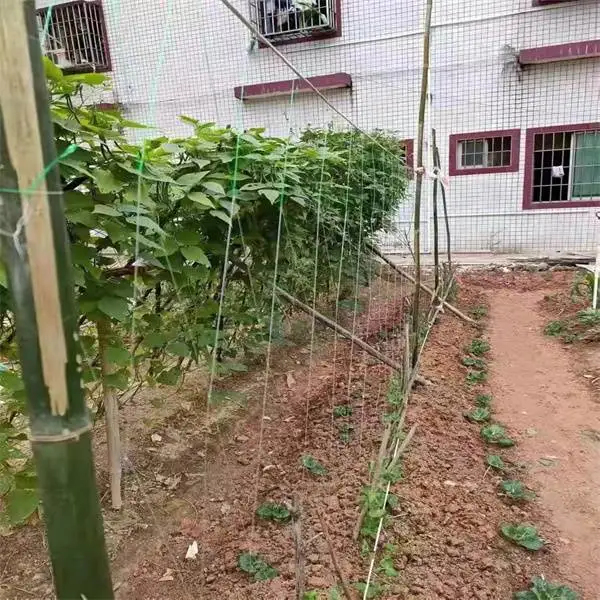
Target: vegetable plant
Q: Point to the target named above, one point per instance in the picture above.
(311, 464)
(342, 410)
(494, 461)
(476, 377)
(254, 565)
(542, 589)
(516, 490)
(496, 434)
(483, 400)
(479, 415)
(475, 363)
(274, 512)
(523, 535)
(478, 347)
(555, 328)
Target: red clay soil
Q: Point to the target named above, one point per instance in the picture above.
(445, 528)
(552, 413)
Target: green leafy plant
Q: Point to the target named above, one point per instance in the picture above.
(542, 589)
(479, 415)
(483, 400)
(476, 377)
(311, 464)
(479, 312)
(555, 328)
(342, 410)
(386, 564)
(254, 565)
(516, 490)
(589, 317)
(496, 434)
(274, 512)
(375, 590)
(478, 347)
(475, 363)
(378, 506)
(345, 432)
(494, 461)
(311, 595)
(523, 535)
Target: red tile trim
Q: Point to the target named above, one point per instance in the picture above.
(548, 54)
(285, 87)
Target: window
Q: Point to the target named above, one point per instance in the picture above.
(487, 152)
(286, 21)
(562, 167)
(75, 38)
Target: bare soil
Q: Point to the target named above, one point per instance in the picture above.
(202, 480)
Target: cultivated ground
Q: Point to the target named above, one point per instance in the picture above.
(198, 476)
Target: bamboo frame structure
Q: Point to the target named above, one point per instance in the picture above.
(36, 255)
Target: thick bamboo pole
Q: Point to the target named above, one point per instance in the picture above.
(419, 184)
(37, 260)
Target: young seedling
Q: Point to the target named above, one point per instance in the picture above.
(476, 377)
(479, 312)
(342, 410)
(270, 511)
(312, 595)
(386, 564)
(589, 317)
(555, 328)
(475, 363)
(254, 565)
(478, 347)
(494, 461)
(483, 400)
(479, 415)
(516, 490)
(523, 535)
(310, 463)
(541, 589)
(345, 432)
(375, 590)
(496, 434)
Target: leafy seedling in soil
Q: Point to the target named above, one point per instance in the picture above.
(345, 432)
(310, 463)
(483, 400)
(254, 565)
(478, 347)
(312, 595)
(496, 434)
(476, 377)
(342, 410)
(386, 564)
(555, 328)
(541, 589)
(271, 511)
(589, 317)
(479, 312)
(375, 590)
(475, 363)
(523, 535)
(479, 415)
(494, 461)
(516, 490)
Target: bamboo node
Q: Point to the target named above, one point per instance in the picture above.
(65, 436)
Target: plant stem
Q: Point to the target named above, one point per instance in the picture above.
(39, 266)
(436, 233)
(111, 415)
(419, 183)
(438, 164)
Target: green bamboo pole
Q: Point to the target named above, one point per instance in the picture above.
(419, 184)
(38, 264)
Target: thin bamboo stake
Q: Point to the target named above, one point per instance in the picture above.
(422, 286)
(38, 265)
(111, 415)
(336, 565)
(438, 165)
(298, 550)
(419, 182)
(339, 329)
(436, 233)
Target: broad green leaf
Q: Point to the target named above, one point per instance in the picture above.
(213, 186)
(88, 78)
(20, 505)
(195, 254)
(118, 356)
(178, 349)
(11, 382)
(146, 223)
(155, 339)
(104, 209)
(169, 376)
(200, 198)
(6, 482)
(118, 380)
(107, 183)
(221, 215)
(192, 179)
(271, 195)
(115, 308)
(51, 70)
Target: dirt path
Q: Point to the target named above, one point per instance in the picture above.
(556, 420)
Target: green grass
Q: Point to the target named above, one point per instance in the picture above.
(478, 347)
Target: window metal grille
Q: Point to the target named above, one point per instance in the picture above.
(281, 20)
(566, 166)
(485, 152)
(75, 39)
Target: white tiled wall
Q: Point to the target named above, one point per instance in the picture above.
(185, 56)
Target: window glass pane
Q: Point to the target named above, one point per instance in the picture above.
(586, 166)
